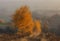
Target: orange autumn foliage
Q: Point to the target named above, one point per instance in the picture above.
(38, 25)
(37, 28)
(23, 20)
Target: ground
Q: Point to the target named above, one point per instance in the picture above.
(41, 37)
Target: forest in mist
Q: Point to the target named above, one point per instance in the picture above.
(52, 16)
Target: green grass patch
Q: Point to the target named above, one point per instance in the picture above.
(2, 23)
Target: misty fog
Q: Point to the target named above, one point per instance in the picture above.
(45, 7)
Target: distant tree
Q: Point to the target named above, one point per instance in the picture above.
(46, 26)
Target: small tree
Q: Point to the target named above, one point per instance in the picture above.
(46, 26)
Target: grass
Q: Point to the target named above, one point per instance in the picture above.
(2, 23)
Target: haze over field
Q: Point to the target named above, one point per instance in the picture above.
(7, 7)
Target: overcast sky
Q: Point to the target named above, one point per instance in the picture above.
(11, 5)
(35, 4)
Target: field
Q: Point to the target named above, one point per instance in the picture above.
(42, 37)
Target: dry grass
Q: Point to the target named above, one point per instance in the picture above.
(42, 37)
